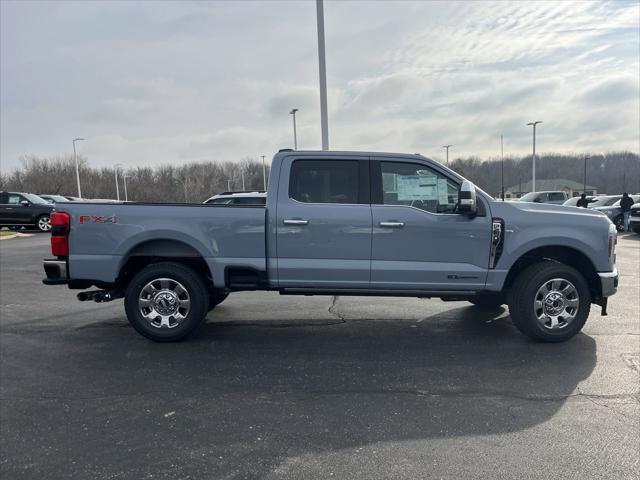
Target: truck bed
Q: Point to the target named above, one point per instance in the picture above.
(103, 235)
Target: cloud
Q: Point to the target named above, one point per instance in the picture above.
(163, 82)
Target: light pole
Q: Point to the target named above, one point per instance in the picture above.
(115, 174)
(242, 174)
(124, 179)
(228, 185)
(584, 184)
(446, 147)
(264, 174)
(533, 177)
(502, 166)
(75, 159)
(322, 67)
(295, 135)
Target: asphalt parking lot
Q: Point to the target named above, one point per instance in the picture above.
(312, 387)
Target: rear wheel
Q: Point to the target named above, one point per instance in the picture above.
(550, 302)
(43, 223)
(166, 301)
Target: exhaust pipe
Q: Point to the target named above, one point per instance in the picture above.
(100, 296)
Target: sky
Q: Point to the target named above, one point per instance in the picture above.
(149, 83)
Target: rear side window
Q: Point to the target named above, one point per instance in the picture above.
(249, 201)
(556, 196)
(15, 199)
(324, 181)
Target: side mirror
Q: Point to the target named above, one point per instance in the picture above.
(25, 203)
(467, 202)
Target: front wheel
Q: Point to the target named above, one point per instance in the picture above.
(43, 223)
(549, 302)
(166, 301)
(619, 223)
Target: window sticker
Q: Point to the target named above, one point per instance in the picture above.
(443, 191)
(417, 187)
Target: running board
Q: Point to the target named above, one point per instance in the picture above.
(379, 293)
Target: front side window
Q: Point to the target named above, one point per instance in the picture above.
(15, 199)
(418, 186)
(556, 196)
(324, 181)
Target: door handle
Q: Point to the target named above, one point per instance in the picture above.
(392, 224)
(9, 208)
(295, 222)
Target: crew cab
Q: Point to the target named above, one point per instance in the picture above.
(341, 223)
(18, 209)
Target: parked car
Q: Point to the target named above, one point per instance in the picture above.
(74, 199)
(555, 197)
(53, 198)
(634, 218)
(614, 212)
(573, 201)
(19, 209)
(341, 223)
(238, 198)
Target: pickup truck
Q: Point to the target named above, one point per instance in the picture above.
(341, 223)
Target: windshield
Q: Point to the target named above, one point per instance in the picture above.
(529, 197)
(35, 199)
(604, 201)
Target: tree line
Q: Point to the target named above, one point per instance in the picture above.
(194, 182)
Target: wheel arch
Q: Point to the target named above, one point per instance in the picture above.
(570, 256)
(148, 252)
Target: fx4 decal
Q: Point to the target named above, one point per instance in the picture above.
(97, 219)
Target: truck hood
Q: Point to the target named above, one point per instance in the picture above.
(515, 209)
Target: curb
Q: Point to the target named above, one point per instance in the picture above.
(18, 234)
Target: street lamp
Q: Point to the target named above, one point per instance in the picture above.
(124, 179)
(295, 136)
(446, 147)
(75, 159)
(115, 173)
(584, 184)
(533, 178)
(264, 174)
(322, 68)
(502, 166)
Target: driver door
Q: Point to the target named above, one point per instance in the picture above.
(419, 241)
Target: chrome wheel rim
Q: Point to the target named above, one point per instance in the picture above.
(556, 304)
(44, 224)
(164, 303)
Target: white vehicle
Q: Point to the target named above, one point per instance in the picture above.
(557, 197)
(257, 197)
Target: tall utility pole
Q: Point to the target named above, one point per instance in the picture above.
(124, 179)
(502, 166)
(446, 147)
(584, 184)
(228, 185)
(75, 159)
(264, 174)
(533, 176)
(242, 174)
(295, 134)
(115, 172)
(324, 121)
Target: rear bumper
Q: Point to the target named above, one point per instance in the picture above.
(56, 271)
(608, 283)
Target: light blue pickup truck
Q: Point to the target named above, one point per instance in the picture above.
(341, 223)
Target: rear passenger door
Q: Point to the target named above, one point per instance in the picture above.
(13, 212)
(323, 222)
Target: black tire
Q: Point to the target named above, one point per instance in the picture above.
(488, 301)
(619, 223)
(216, 299)
(523, 295)
(43, 223)
(197, 296)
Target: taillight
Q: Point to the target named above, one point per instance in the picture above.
(60, 222)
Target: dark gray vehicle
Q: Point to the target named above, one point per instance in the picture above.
(18, 209)
(341, 223)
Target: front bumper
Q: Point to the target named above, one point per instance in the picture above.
(608, 283)
(56, 271)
